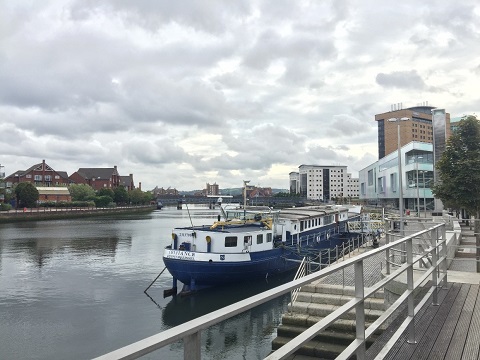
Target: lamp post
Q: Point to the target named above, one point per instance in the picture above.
(400, 175)
(424, 200)
(416, 183)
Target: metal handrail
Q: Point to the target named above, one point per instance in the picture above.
(301, 272)
(190, 331)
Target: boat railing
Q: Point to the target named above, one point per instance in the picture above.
(190, 332)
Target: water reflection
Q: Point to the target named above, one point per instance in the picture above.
(74, 289)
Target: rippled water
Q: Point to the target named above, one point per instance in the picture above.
(73, 289)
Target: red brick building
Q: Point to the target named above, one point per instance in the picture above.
(127, 182)
(39, 175)
(53, 194)
(97, 178)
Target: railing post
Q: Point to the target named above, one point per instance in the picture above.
(411, 300)
(433, 242)
(360, 309)
(387, 254)
(444, 254)
(191, 347)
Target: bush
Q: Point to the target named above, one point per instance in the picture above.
(5, 207)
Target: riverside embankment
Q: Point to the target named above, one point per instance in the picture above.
(36, 214)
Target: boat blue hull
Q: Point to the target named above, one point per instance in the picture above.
(201, 274)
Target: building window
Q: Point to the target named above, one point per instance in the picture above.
(38, 177)
(48, 178)
(370, 177)
(381, 184)
(28, 176)
(362, 186)
(393, 182)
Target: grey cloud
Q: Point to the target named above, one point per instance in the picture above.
(401, 79)
(213, 16)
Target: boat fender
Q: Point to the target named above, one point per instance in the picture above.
(208, 239)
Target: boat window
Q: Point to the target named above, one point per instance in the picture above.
(301, 225)
(269, 237)
(260, 239)
(247, 240)
(230, 241)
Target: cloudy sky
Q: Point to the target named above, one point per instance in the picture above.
(181, 93)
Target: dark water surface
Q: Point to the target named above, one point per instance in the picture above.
(73, 289)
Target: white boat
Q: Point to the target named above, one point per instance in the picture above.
(252, 242)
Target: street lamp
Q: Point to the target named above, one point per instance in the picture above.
(416, 183)
(400, 175)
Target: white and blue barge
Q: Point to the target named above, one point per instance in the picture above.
(252, 242)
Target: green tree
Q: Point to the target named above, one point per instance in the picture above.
(27, 194)
(81, 192)
(106, 192)
(135, 196)
(458, 184)
(120, 195)
(103, 201)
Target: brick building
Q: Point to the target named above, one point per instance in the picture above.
(39, 175)
(97, 178)
(416, 127)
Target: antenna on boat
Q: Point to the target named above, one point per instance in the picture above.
(245, 182)
(191, 222)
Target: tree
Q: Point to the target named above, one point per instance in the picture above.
(81, 192)
(27, 194)
(458, 184)
(120, 195)
(138, 197)
(106, 192)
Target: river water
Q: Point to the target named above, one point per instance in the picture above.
(73, 289)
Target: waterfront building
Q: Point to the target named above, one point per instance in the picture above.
(39, 175)
(419, 127)
(53, 194)
(211, 189)
(97, 178)
(379, 182)
(162, 192)
(127, 182)
(319, 182)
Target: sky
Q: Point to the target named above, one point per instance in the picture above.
(184, 93)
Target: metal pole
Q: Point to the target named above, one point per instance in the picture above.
(424, 200)
(418, 195)
(400, 186)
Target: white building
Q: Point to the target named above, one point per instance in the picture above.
(318, 182)
(379, 181)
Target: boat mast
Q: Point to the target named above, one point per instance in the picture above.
(245, 182)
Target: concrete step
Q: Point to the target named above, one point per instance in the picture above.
(328, 335)
(313, 348)
(341, 325)
(334, 289)
(337, 300)
(322, 310)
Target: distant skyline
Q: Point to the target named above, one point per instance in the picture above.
(181, 94)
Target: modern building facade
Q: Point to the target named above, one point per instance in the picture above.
(418, 128)
(317, 182)
(379, 182)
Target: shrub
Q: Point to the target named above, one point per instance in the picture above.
(5, 207)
